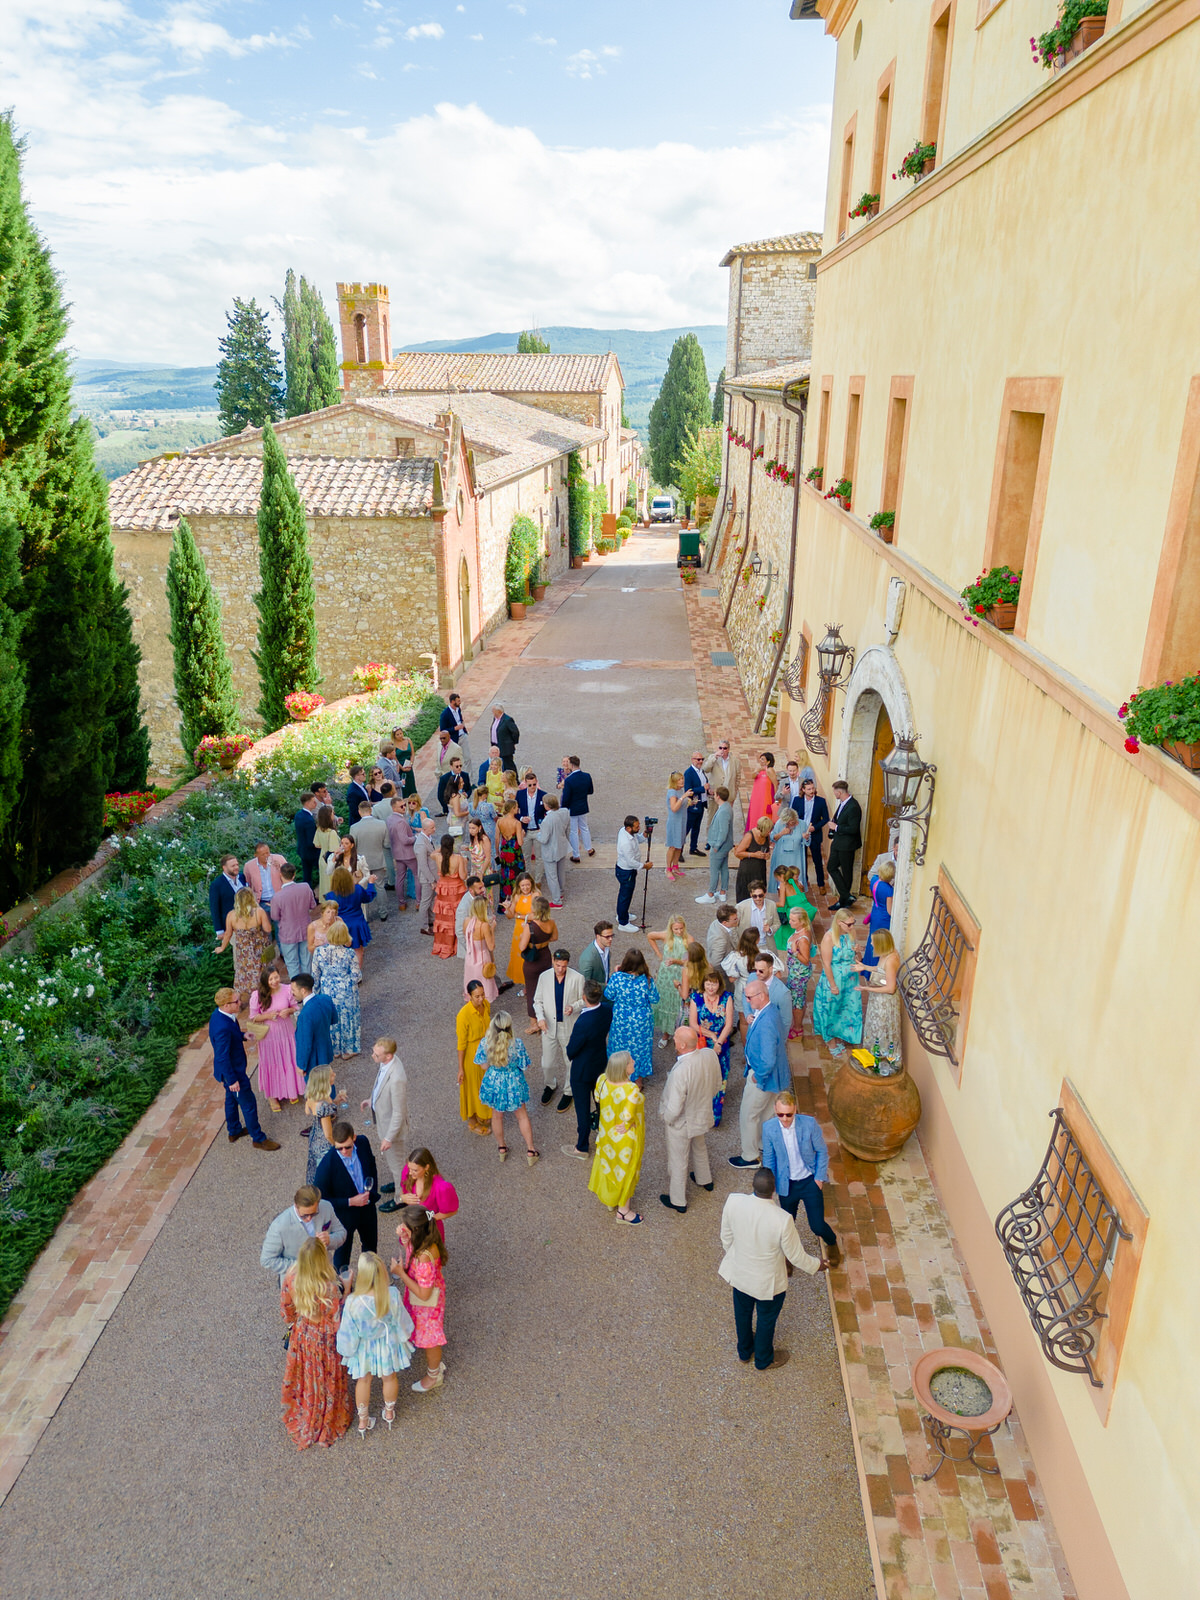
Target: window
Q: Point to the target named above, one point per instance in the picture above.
(883, 131)
(895, 446)
(847, 176)
(1173, 637)
(1074, 1242)
(405, 447)
(935, 981)
(823, 424)
(853, 420)
(1028, 417)
(360, 339)
(812, 271)
(386, 352)
(937, 72)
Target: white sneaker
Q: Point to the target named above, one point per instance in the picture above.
(706, 899)
(629, 927)
(722, 897)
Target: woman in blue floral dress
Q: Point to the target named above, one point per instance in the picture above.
(482, 810)
(710, 1012)
(504, 1087)
(375, 1339)
(837, 1005)
(799, 966)
(338, 975)
(633, 996)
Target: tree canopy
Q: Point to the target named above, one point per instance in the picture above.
(531, 343)
(312, 379)
(249, 382)
(286, 657)
(718, 414)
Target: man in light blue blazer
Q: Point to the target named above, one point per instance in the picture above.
(314, 1043)
(768, 1071)
(793, 1147)
(720, 843)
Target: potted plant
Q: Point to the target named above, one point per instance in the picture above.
(301, 705)
(1167, 715)
(1080, 23)
(687, 574)
(868, 206)
(917, 162)
(841, 493)
(222, 750)
(884, 524)
(814, 475)
(538, 580)
(874, 1104)
(372, 675)
(994, 597)
(125, 811)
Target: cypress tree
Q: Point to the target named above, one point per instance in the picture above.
(126, 735)
(683, 406)
(719, 399)
(12, 668)
(297, 358)
(204, 689)
(531, 343)
(249, 381)
(286, 657)
(327, 374)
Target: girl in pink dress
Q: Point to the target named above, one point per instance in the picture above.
(278, 1076)
(479, 941)
(424, 1290)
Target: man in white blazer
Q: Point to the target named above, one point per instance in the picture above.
(555, 845)
(686, 1108)
(388, 1106)
(557, 1001)
(760, 1239)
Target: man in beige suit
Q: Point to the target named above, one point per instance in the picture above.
(722, 770)
(760, 1239)
(759, 912)
(557, 1001)
(687, 1109)
(388, 1106)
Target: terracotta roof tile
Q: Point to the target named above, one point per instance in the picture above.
(509, 438)
(784, 244)
(771, 377)
(463, 370)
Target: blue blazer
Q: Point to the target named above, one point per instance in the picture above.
(220, 899)
(481, 781)
(811, 1142)
(337, 1186)
(820, 817)
(314, 1046)
(355, 795)
(305, 825)
(766, 1052)
(229, 1053)
(720, 829)
(539, 807)
(575, 790)
(695, 781)
(587, 1047)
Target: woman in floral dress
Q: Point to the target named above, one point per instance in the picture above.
(632, 996)
(710, 1012)
(278, 1076)
(881, 1017)
(837, 1008)
(375, 1338)
(424, 1282)
(249, 926)
(504, 1086)
(316, 1390)
(482, 810)
(670, 946)
(451, 886)
(479, 849)
(617, 1164)
(337, 974)
(517, 906)
(510, 854)
(320, 1102)
(799, 966)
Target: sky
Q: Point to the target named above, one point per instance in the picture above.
(497, 163)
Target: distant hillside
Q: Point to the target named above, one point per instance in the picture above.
(121, 386)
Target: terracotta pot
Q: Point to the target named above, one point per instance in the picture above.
(1002, 616)
(1188, 755)
(516, 610)
(927, 165)
(843, 501)
(577, 561)
(887, 534)
(1089, 30)
(539, 591)
(228, 763)
(873, 1115)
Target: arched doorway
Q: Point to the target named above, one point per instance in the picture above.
(877, 713)
(464, 608)
(876, 822)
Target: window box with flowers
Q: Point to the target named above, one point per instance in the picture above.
(815, 476)
(1080, 23)
(884, 524)
(758, 454)
(761, 603)
(301, 705)
(125, 811)
(222, 750)
(917, 162)
(993, 596)
(775, 636)
(841, 492)
(868, 206)
(1169, 716)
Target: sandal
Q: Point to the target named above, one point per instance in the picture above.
(533, 1155)
(503, 1149)
(632, 1221)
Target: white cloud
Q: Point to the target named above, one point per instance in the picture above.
(476, 37)
(519, 9)
(536, 38)
(188, 31)
(590, 63)
(426, 30)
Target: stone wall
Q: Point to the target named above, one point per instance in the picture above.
(349, 433)
(771, 304)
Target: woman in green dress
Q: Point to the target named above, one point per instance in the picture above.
(789, 894)
(837, 1005)
(670, 945)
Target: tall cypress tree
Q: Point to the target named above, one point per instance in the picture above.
(12, 668)
(683, 406)
(204, 689)
(719, 399)
(286, 657)
(126, 736)
(297, 356)
(249, 381)
(327, 374)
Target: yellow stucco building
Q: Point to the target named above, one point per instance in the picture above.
(1007, 356)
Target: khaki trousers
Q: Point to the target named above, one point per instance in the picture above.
(556, 1069)
(685, 1153)
(395, 1157)
(757, 1105)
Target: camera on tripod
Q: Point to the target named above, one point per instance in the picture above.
(650, 822)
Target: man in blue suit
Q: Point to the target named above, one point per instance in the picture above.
(347, 1177)
(356, 794)
(221, 892)
(694, 779)
(317, 1015)
(768, 1072)
(229, 1067)
(304, 824)
(587, 1051)
(793, 1147)
(813, 811)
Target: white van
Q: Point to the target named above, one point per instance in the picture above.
(662, 508)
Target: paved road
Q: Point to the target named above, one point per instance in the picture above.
(596, 1435)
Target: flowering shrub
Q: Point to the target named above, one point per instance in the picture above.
(1000, 586)
(914, 162)
(373, 675)
(775, 636)
(215, 748)
(1048, 47)
(758, 454)
(301, 704)
(127, 810)
(1167, 714)
(761, 603)
(865, 206)
(780, 471)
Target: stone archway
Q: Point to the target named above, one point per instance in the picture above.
(464, 607)
(877, 686)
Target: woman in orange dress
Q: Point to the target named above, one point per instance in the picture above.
(451, 886)
(762, 793)
(517, 909)
(316, 1388)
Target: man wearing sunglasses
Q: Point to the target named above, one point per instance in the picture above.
(793, 1148)
(723, 771)
(347, 1177)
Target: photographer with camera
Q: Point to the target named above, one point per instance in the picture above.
(629, 860)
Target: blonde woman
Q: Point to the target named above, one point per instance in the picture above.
(621, 1139)
(739, 965)
(494, 779)
(327, 841)
(670, 945)
(375, 1339)
(677, 803)
(837, 1009)
(479, 938)
(799, 966)
(320, 1102)
(694, 969)
(883, 878)
(516, 907)
(336, 973)
(316, 1390)
(881, 1018)
(752, 853)
(249, 926)
(504, 1087)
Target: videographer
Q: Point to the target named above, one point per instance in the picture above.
(629, 860)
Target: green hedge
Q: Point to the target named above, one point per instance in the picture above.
(521, 559)
(579, 506)
(93, 1013)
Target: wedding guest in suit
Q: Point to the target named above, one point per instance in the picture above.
(722, 771)
(845, 841)
(596, 961)
(813, 811)
(356, 792)
(553, 848)
(428, 857)
(308, 1217)
(686, 1108)
(767, 1070)
(261, 873)
(696, 784)
(404, 856)
(720, 843)
(506, 736)
(314, 1025)
(760, 1239)
(388, 1105)
(576, 787)
(447, 753)
(316, 1391)
(778, 992)
(304, 825)
(348, 1179)
(531, 811)
(291, 909)
(587, 1051)
(452, 719)
(794, 1152)
(222, 892)
(722, 937)
(229, 1068)
(759, 913)
(557, 1000)
(794, 786)
(370, 835)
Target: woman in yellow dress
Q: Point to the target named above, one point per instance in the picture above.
(517, 909)
(622, 1137)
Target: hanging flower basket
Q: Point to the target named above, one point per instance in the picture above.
(222, 750)
(372, 675)
(301, 705)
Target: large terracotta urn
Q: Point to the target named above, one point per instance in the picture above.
(873, 1115)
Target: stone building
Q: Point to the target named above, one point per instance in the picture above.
(772, 295)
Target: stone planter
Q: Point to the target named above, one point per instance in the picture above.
(1089, 30)
(1188, 755)
(229, 762)
(873, 1116)
(516, 610)
(539, 591)
(1002, 616)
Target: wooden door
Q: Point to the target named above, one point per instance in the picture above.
(464, 608)
(875, 823)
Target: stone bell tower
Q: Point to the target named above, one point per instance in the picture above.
(364, 311)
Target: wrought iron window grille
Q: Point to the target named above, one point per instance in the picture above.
(1060, 1237)
(793, 674)
(928, 979)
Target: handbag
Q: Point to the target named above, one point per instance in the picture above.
(489, 969)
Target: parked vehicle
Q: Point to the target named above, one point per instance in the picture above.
(662, 508)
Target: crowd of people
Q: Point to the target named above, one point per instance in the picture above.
(299, 937)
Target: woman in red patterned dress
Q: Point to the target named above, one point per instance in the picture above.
(316, 1387)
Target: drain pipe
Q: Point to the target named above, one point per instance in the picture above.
(716, 526)
(749, 506)
(785, 631)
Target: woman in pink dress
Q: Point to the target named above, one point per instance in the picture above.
(420, 1272)
(421, 1184)
(762, 794)
(479, 940)
(278, 1076)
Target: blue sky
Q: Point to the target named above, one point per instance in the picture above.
(494, 162)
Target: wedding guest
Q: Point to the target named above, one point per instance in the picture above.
(249, 927)
(375, 1339)
(479, 937)
(320, 1102)
(388, 1106)
(720, 843)
(633, 997)
(484, 812)
(318, 931)
(222, 892)
(469, 1027)
(316, 1391)
(261, 873)
(307, 1217)
(426, 852)
(337, 974)
(762, 791)
(751, 855)
(349, 1180)
(670, 945)
(537, 936)
(327, 841)
(621, 1138)
(465, 907)
(711, 1019)
(882, 881)
(813, 810)
(799, 967)
(351, 897)
(304, 825)
(404, 859)
(420, 1271)
(451, 886)
(291, 909)
(881, 1017)
(504, 1086)
(370, 836)
(722, 936)
(576, 787)
(404, 758)
(421, 1184)
(517, 907)
(229, 1069)
(837, 1008)
(278, 1077)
